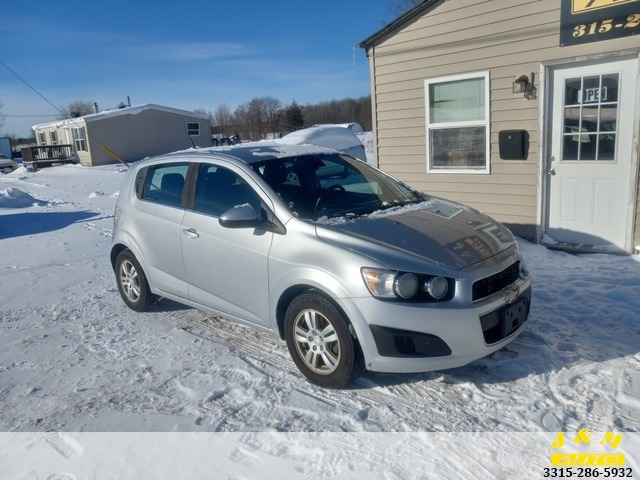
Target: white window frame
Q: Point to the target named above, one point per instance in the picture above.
(193, 132)
(80, 139)
(53, 135)
(486, 122)
(42, 139)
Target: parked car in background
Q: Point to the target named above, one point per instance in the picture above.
(328, 136)
(352, 268)
(7, 164)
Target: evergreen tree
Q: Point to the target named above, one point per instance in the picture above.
(294, 120)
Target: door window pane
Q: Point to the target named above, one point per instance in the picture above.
(572, 90)
(218, 189)
(165, 183)
(590, 118)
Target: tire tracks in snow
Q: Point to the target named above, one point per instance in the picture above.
(366, 405)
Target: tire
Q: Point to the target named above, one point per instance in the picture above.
(132, 283)
(320, 343)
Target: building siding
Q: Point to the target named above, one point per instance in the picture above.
(508, 38)
(132, 134)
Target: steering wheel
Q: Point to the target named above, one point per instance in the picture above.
(324, 195)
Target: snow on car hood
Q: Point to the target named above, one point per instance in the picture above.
(439, 231)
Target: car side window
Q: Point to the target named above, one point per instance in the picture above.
(165, 183)
(218, 189)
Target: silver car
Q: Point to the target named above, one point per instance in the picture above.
(352, 268)
(7, 164)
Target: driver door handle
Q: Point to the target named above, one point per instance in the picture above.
(190, 232)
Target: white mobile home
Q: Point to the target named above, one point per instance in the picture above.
(132, 133)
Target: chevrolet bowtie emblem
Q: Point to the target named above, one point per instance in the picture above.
(511, 293)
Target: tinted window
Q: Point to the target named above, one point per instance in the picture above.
(165, 183)
(218, 189)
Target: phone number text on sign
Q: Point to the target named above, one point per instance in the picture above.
(585, 21)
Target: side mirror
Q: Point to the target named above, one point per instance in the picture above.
(241, 216)
(244, 216)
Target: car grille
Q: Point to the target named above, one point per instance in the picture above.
(496, 282)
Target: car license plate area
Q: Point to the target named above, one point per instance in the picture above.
(514, 315)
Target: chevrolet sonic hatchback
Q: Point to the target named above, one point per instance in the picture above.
(352, 268)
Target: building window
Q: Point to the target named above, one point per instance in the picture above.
(458, 123)
(193, 129)
(42, 139)
(80, 139)
(54, 137)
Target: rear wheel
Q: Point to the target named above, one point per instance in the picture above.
(320, 343)
(132, 282)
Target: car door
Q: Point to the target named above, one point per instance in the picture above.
(158, 218)
(226, 268)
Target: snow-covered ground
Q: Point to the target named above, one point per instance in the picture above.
(75, 360)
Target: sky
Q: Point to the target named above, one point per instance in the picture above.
(188, 55)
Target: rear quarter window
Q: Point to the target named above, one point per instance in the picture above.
(165, 183)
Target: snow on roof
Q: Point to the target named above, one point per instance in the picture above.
(250, 152)
(118, 111)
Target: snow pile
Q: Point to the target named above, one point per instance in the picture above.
(75, 359)
(16, 198)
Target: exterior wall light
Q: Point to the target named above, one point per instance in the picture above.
(523, 85)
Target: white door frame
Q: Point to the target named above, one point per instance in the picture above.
(545, 136)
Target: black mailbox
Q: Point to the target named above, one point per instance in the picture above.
(513, 144)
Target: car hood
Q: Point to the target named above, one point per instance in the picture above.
(439, 231)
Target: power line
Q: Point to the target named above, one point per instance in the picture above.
(29, 85)
(26, 116)
(102, 145)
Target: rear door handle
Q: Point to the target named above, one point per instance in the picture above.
(190, 232)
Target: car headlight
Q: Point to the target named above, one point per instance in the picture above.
(380, 282)
(406, 285)
(390, 284)
(437, 287)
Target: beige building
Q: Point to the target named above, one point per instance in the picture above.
(131, 133)
(525, 109)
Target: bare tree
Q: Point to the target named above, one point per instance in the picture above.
(259, 117)
(77, 109)
(204, 112)
(273, 114)
(400, 7)
(222, 118)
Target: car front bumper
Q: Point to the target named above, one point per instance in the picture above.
(404, 338)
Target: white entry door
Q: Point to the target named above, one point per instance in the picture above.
(589, 170)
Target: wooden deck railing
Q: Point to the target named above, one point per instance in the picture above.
(47, 155)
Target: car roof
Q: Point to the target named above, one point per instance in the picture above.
(253, 152)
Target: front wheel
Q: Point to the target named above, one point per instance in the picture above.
(132, 282)
(320, 343)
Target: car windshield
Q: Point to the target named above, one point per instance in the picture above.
(333, 185)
